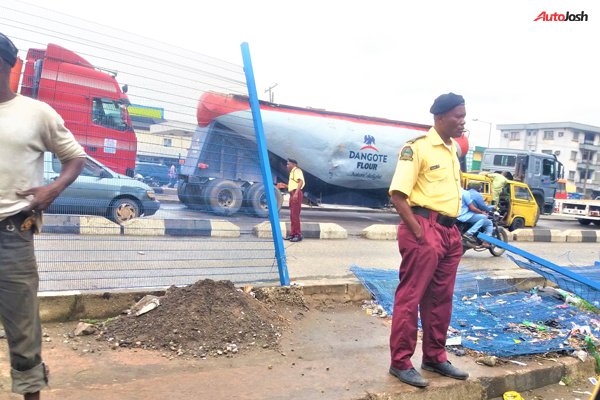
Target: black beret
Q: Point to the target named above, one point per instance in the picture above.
(445, 103)
(8, 51)
(292, 161)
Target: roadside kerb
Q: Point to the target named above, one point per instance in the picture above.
(575, 235)
(310, 230)
(79, 225)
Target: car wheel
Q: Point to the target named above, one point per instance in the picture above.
(124, 209)
(517, 223)
(584, 221)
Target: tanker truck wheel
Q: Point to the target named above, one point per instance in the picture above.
(223, 197)
(256, 198)
(191, 195)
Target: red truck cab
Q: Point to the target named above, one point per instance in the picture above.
(89, 100)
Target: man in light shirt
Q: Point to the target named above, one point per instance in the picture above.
(28, 128)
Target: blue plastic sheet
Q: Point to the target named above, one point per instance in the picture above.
(491, 316)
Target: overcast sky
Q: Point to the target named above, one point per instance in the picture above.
(388, 58)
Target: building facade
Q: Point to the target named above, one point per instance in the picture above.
(577, 147)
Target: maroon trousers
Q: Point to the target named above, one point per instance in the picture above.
(427, 275)
(295, 206)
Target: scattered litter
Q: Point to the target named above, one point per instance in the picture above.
(580, 392)
(517, 362)
(146, 304)
(582, 355)
(454, 341)
(490, 361)
(372, 308)
(512, 395)
(593, 381)
(141, 253)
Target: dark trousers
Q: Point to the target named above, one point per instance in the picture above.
(295, 206)
(427, 275)
(19, 306)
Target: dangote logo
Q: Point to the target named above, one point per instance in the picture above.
(369, 142)
(368, 160)
(544, 16)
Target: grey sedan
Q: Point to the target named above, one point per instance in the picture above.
(101, 191)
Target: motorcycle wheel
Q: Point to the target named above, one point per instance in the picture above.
(500, 234)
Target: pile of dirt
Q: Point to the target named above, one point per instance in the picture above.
(207, 318)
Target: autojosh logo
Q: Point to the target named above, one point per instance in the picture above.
(562, 17)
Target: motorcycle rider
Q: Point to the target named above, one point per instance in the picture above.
(477, 218)
(474, 188)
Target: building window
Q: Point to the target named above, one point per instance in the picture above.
(547, 151)
(561, 134)
(515, 136)
(571, 175)
(576, 136)
(167, 142)
(548, 135)
(587, 155)
(586, 173)
(573, 156)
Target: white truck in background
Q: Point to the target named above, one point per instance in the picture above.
(585, 211)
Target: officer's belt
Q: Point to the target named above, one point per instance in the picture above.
(440, 218)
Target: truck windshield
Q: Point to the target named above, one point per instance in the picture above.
(548, 169)
(109, 113)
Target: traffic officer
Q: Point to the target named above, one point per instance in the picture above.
(426, 193)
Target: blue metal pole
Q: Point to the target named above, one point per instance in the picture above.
(265, 167)
(538, 260)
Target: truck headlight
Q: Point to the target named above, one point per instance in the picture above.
(150, 194)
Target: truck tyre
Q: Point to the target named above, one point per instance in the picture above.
(596, 222)
(191, 195)
(124, 209)
(256, 199)
(517, 223)
(584, 221)
(223, 197)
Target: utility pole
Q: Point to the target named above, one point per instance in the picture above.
(271, 93)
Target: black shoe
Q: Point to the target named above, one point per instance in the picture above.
(296, 239)
(288, 237)
(446, 369)
(410, 376)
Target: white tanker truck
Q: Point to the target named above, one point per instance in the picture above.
(347, 159)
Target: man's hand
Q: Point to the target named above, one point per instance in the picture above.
(43, 196)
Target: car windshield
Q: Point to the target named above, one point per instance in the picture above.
(90, 168)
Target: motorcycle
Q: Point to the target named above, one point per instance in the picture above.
(498, 233)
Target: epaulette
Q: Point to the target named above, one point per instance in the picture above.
(415, 139)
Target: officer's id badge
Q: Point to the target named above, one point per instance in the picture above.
(406, 154)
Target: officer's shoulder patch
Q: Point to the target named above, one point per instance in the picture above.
(406, 154)
(415, 139)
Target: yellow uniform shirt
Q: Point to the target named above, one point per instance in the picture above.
(295, 175)
(428, 172)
